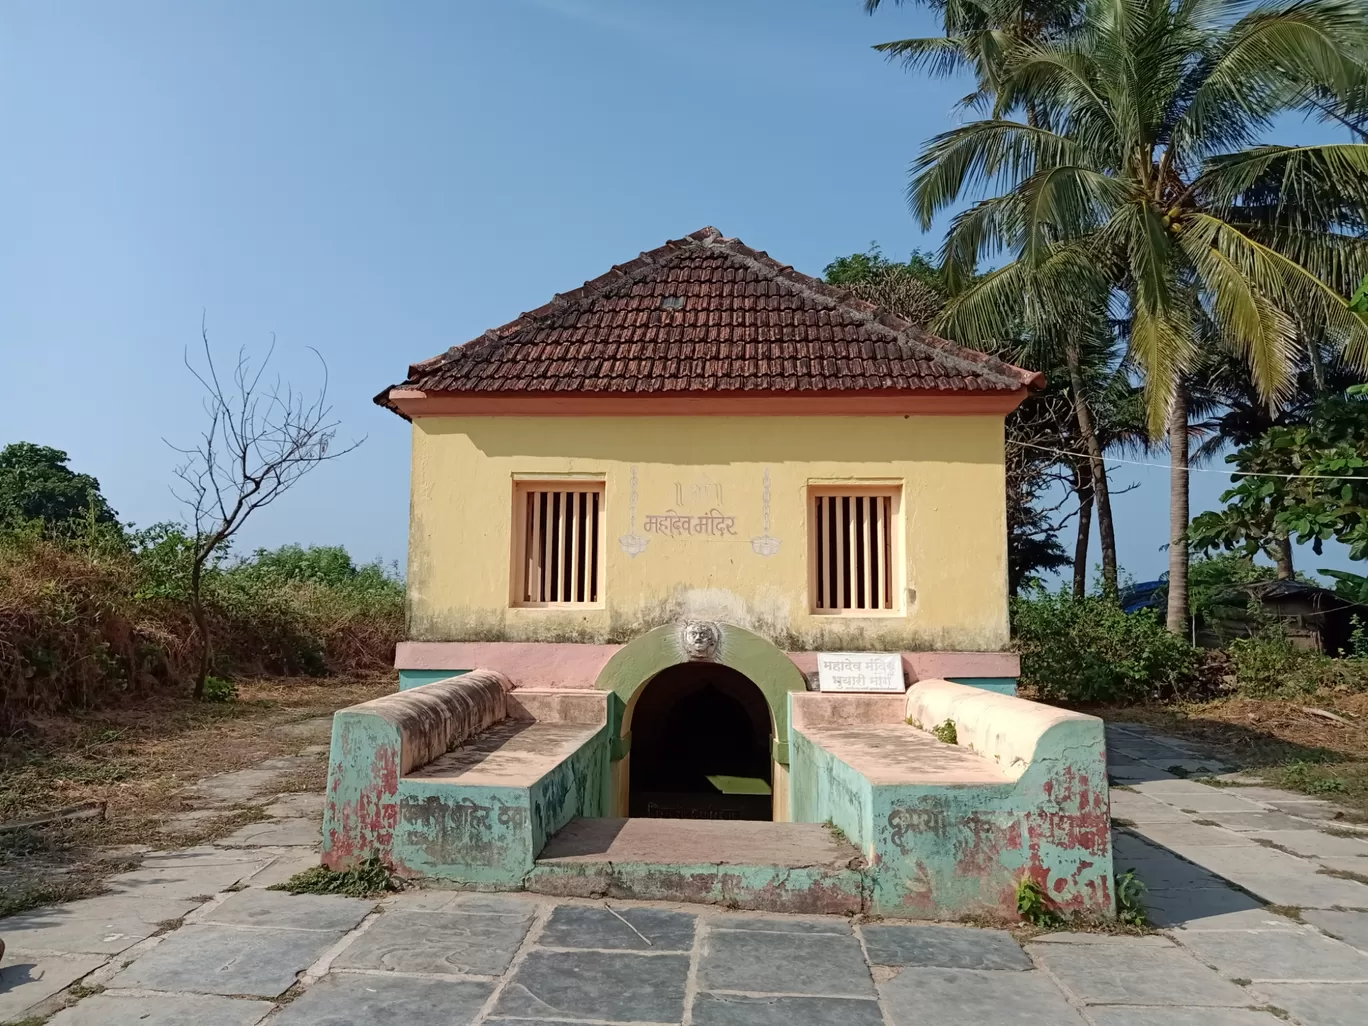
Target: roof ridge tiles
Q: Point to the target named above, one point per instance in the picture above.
(730, 295)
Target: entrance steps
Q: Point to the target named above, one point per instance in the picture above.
(773, 867)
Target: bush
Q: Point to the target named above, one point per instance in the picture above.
(1268, 665)
(1090, 650)
(89, 616)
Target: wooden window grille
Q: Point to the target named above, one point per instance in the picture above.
(559, 559)
(854, 550)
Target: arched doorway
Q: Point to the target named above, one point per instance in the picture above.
(696, 643)
(701, 737)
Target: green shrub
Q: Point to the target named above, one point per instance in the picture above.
(1090, 650)
(1130, 900)
(1034, 906)
(370, 879)
(1268, 665)
(93, 614)
(216, 689)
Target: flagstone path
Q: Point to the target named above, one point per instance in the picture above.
(1261, 896)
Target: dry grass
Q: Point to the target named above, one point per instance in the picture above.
(1277, 740)
(141, 760)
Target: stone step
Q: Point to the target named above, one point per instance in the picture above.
(771, 867)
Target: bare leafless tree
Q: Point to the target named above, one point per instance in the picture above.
(262, 437)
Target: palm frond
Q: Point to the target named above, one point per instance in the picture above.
(979, 156)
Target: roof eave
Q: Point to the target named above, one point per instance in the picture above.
(411, 403)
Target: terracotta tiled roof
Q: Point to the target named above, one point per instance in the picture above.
(705, 315)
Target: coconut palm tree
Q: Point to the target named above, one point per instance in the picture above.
(1143, 177)
(978, 36)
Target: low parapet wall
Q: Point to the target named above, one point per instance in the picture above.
(950, 830)
(463, 779)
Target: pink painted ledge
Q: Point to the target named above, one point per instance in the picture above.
(567, 665)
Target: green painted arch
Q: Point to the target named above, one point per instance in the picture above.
(766, 665)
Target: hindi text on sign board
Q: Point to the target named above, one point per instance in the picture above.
(859, 671)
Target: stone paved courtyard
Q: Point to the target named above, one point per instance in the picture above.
(1261, 918)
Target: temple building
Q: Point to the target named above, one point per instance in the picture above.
(641, 515)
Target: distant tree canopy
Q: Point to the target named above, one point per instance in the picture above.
(914, 290)
(328, 565)
(1304, 481)
(37, 485)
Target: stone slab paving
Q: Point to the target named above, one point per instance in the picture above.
(163, 1010)
(193, 938)
(289, 911)
(292, 832)
(943, 947)
(745, 1010)
(617, 986)
(1350, 927)
(1135, 971)
(982, 997)
(759, 961)
(210, 959)
(632, 929)
(27, 980)
(452, 943)
(343, 999)
(1319, 1004)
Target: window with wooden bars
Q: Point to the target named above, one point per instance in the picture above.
(853, 549)
(559, 555)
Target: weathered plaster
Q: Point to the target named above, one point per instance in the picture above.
(572, 665)
(462, 780)
(950, 470)
(952, 829)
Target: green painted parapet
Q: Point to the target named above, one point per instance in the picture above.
(951, 829)
(463, 779)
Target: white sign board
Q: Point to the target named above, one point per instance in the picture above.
(859, 671)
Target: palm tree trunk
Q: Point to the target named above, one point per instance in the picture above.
(1282, 558)
(1178, 514)
(1087, 430)
(1083, 486)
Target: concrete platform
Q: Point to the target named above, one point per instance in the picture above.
(776, 867)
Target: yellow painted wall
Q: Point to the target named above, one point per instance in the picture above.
(954, 578)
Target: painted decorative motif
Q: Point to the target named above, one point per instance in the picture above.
(685, 518)
(632, 543)
(699, 640)
(765, 545)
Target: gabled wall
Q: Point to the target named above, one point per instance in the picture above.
(951, 580)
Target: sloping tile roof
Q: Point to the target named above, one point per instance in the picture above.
(706, 314)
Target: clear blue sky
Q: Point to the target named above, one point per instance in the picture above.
(381, 181)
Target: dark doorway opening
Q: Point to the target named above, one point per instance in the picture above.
(700, 746)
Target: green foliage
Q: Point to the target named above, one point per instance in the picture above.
(370, 879)
(87, 617)
(327, 565)
(1130, 900)
(216, 689)
(1358, 638)
(1213, 582)
(36, 485)
(1268, 665)
(946, 733)
(1359, 302)
(1089, 650)
(1100, 181)
(1306, 481)
(1300, 775)
(1348, 586)
(872, 264)
(1033, 905)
